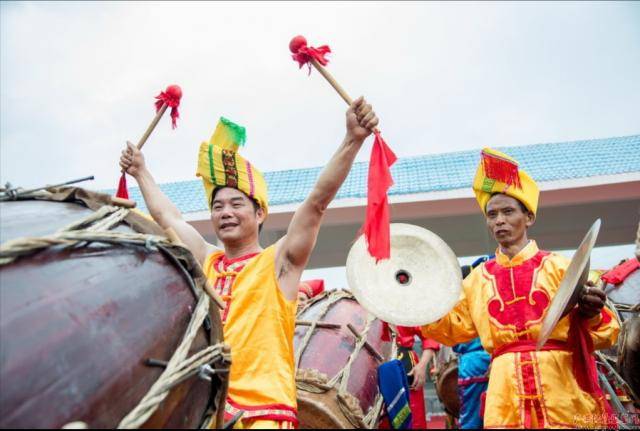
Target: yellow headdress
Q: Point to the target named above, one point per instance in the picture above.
(499, 173)
(220, 165)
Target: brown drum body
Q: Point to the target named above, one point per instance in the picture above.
(629, 354)
(327, 353)
(77, 325)
(447, 380)
(627, 295)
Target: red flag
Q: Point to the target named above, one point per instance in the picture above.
(376, 224)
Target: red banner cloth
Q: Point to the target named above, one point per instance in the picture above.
(376, 224)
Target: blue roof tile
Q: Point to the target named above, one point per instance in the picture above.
(438, 172)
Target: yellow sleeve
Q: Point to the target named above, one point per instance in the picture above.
(457, 326)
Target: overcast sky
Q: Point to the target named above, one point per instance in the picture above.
(78, 79)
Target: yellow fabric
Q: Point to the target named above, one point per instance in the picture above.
(564, 403)
(258, 424)
(259, 328)
(484, 187)
(220, 165)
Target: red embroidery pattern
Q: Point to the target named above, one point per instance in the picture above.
(274, 412)
(230, 169)
(226, 272)
(517, 304)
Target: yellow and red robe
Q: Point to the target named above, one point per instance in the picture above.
(503, 302)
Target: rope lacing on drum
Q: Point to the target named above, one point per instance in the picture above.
(96, 228)
(316, 382)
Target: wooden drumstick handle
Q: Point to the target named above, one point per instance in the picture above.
(152, 126)
(324, 72)
(331, 80)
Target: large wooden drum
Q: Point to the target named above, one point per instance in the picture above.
(338, 350)
(625, 300)
(446, 378)
(87, 327)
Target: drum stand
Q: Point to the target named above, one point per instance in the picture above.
(624, 418)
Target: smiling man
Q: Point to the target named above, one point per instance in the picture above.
(259, 286)
(503, 302)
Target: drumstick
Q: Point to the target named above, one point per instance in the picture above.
(298, 47)
(152, 126)
(377, 219)
(168, 98)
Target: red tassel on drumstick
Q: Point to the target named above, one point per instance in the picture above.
(170, 98)
(376, 224)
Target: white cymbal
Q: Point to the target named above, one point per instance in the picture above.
(419, 284)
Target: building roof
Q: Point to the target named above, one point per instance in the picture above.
(437, 172)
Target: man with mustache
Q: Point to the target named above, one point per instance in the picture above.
(259, 286)
(504, 301)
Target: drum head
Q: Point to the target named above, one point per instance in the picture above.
(418, 284)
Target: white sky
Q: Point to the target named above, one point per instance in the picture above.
(78, 79)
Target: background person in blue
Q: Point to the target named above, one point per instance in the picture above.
(473, 372)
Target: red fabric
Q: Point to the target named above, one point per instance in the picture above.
(406, 337)
(418, 410)
(483, 402)
(376, 224)
(171, 97)
(528, 346)
(311, 288)
(303, 53)
(122, 187)
(620, 273)
(501, 169)
(527, 371)
(273, 412)
(525, 309)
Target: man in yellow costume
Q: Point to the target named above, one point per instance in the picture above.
(504, 300)
(259, 286)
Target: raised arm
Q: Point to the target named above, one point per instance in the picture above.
(296, 246)
(163, 211)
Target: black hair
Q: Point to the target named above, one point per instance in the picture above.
(256, 205)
